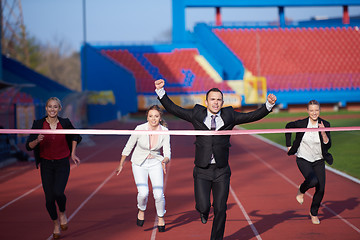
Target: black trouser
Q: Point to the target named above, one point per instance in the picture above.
(54, 177)
(217, 180)
(314, 174)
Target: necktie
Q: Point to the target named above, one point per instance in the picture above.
(213, 127)
(213, 123)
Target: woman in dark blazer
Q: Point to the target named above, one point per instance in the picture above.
(311, 150)
(52, 152)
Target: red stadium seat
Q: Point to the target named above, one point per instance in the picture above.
(311, 54)
(170, 65)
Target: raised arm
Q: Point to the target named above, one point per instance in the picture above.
(271, 99)
(169, 105)
(258, 113)
(159, 84)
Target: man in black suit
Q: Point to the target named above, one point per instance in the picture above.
(212, 171)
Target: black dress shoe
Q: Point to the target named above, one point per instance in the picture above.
(204, 218)
(139, 222)
(161, 228)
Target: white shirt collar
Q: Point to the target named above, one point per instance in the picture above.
(310, 125)
(209, 114)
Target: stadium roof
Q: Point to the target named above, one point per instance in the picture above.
(265, 3)
(179, 6)
(4, 84)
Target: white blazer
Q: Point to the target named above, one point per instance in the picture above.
(142, 142)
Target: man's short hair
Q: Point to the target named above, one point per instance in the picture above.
(214, 90)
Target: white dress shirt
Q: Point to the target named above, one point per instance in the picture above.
(219, 123)
(310, 146)
(218, 120)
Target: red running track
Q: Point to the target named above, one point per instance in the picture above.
(102, 205)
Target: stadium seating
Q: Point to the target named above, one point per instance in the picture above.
(178, 67)
(12, 96)
(127, 60)
(298, 58)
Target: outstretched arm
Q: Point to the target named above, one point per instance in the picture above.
(258, 113)
(169, 105)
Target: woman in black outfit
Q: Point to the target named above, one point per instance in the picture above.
(52, 152)
(311, 150)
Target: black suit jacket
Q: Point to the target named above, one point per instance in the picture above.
(38, 124)
(205, 146)
(302, 123)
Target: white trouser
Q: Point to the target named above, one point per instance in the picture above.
(150, 168)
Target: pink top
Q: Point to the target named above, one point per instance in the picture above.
(153, 139)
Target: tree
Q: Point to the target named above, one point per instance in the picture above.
(60, 65)
(56, 61)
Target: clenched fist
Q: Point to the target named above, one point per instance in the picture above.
(271, 98)
(159, 84)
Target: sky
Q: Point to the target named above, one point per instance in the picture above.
(136, 21)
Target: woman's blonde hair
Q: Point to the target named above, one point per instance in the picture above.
(56, 100)
(157, 108)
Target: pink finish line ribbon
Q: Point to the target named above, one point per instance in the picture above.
(173, 132)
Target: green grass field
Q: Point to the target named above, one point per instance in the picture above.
(345, 145)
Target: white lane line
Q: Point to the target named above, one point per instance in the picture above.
(296, 186)
(341, 218)
(91, 195)
(153, 234)
(16, 171)
(25, 194)
(38, 186)
(344, 175)
(256, 233)
(20, 197)
(88, 199)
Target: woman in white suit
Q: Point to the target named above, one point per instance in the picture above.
(147, 161)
